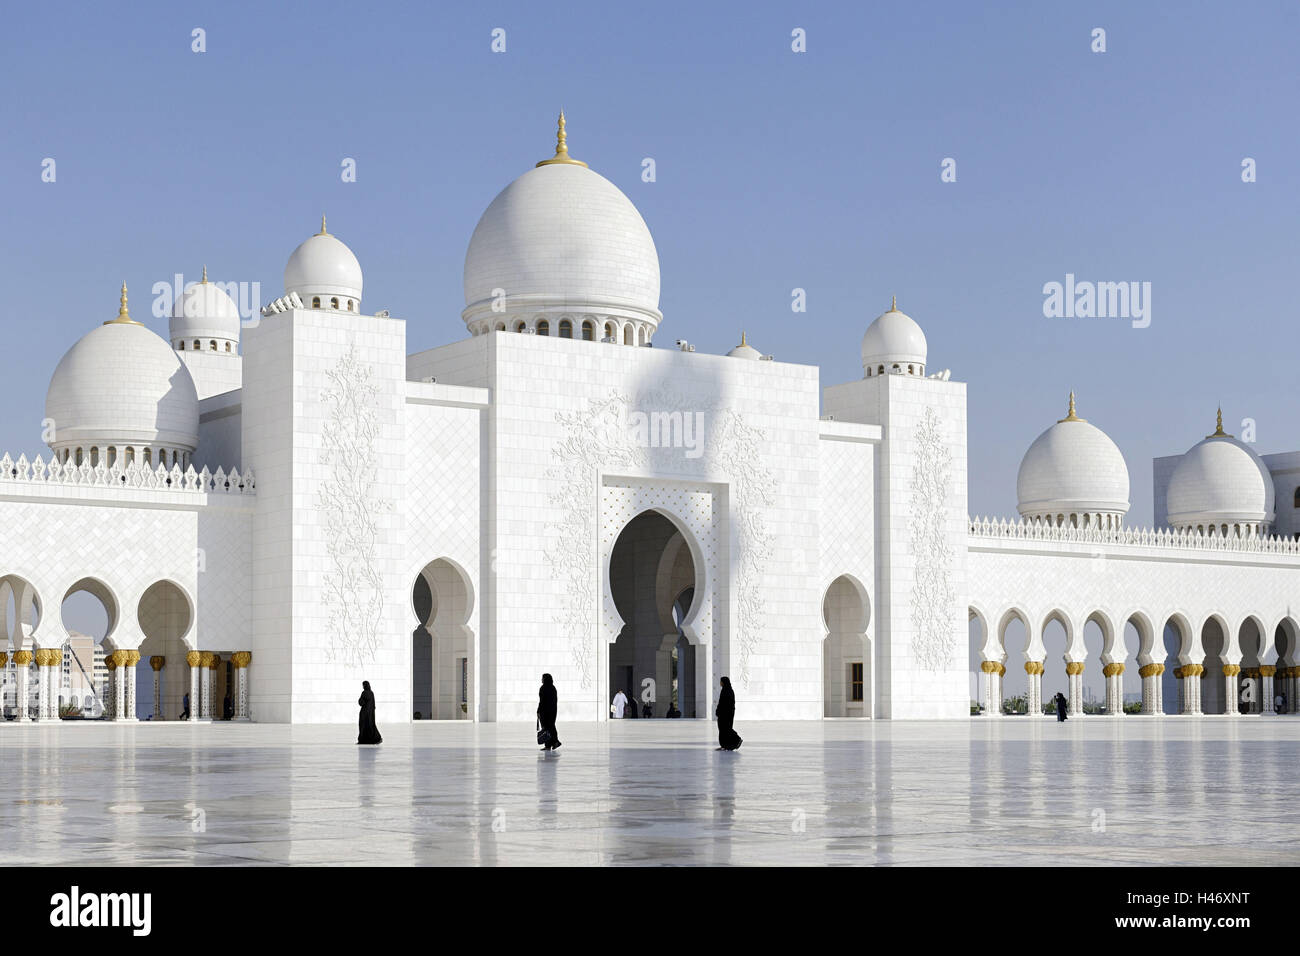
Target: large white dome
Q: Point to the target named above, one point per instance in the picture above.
(562, 238)
(122, 385)
(892, 339)
(1073, 469)
(324, 267)
(205, 312)
(1220, 481)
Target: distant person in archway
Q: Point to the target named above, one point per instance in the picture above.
(618, 706)
(185, 712)
(673, 711)
(547, 707)
(1060, 706)
(728, 739)
(368, 733)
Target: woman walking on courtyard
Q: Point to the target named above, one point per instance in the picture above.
(1060, 706)
(367, 733)
(547, 707)
(728, 739)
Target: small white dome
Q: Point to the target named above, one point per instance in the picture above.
(323, 266)
(1219, 481)
(1073, 468)
(562, 238)
(204, 311)
(121, 384)
(745, 351)
(893, 339)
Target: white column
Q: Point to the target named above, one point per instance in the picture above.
(128, 680)
(1194, 686)
(1034, 670)
(119, 687)
(1230, 672)
(1074, 670)
(111, 689)
(22, 660)
(157, 663)
(1160, 689)
(195, 660)
(210, 708)
(1266, 694)
(241, 660)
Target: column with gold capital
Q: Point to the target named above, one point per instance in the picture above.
(119, 684)
(49, 661)
(157, 663)
(128, 697)
(111, 689)
(209, 663)
(241, 660)
(195, 660)
(22, 661)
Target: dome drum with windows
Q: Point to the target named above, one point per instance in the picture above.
(205, 319)
(893, 345)
(324, 273)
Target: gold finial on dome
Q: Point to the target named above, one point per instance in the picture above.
(742, 338)
(322, 226)
(893, 303)
(205, 275)
(123, 316)
(561, 149)
(1218, 426)
(1070, 416)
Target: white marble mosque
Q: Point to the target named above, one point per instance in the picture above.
(271, 510)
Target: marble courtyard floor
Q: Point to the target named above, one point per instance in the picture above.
(981, 792)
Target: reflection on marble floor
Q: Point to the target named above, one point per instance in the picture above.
(1014, 791)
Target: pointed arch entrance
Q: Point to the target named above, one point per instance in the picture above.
(442, 645)
(847, 674)
(660, 631)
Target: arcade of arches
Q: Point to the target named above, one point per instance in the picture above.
(1225, 672)
(97, 675)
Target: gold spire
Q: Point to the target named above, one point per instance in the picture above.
(123, 316)
(1218, 427)
(742, 338)
(205, 275)
(561, 149)
(1070, 416)
(322, 226)
(893, 303)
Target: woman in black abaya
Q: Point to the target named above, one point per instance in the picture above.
(547, 707)
(367, 733)
(728, 739)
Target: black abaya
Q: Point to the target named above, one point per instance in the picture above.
(367, 732)
(728, 739)
(1060, 708)
(547, 707)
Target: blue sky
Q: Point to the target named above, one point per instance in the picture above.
(775, 170)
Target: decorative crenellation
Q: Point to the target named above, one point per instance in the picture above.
(133, 475)
(1030, 530)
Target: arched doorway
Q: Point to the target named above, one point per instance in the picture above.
(166, 617)
(21, 607)
(651, 569)
(442, 644)
(89, 614)
(847, 678)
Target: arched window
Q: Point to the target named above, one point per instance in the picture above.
(588, 331)
(543, 327)
(566, 329)
(868, 373)
(609, 330)
(911, 370)
(896, 368)
(212, 345)
(350, 306)
(881, 370)
(197, 345)
(1296, 500)
(78, 462)
(628, 334)
(227, 346)
(315, 302)
(520, 326)
(501, 327)
(334, 303)
(94, 457)
(180, 347)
